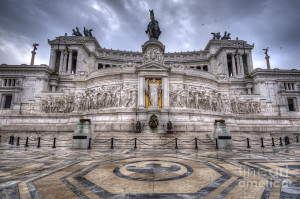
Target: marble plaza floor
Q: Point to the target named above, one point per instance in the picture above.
(270, 172)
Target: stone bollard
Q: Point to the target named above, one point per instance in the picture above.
(90, 140)
(26, 144)
(273, 144)
(135, 143)
(285, 140)
(12, 140)
(18, 141)
(176, 146)
(196, 144)
(217, 143)
(9, 141)
(248, 143)
(262, 142)
(39, 142)
(54, 141)
(112, 143)
(280, 141)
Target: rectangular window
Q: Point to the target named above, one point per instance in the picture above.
(100, 66)
(7, 101)
(291, 104)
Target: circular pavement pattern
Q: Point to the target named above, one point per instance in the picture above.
(153, 170)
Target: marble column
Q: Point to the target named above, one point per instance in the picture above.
(237, 59)
(225, 65)
(77, 61)
(165, 93)
(70, 61)
(141, 92)
(242, 70)
(32, 58)
(233, 65)
(65, 61)
(250, 63)
(61, 61)
(52, 59)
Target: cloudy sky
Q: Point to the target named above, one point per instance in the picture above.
(120, 24)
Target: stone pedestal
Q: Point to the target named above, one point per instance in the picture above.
(159, 129)
(82, 134)
(222, 134)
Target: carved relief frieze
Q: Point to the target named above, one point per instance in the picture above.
(195, 97)
(102, 97)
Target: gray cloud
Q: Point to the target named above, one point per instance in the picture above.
(119, 24)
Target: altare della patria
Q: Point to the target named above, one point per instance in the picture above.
(104, 123)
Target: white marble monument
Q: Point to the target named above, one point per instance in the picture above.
(113, 88)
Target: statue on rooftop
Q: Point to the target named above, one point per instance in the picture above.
(153, 29)
(217, 35)
(87, 32)
(35, 46)
(226, 36)
(267, 57)
(266, 50)
(76, 32)
(33, 53)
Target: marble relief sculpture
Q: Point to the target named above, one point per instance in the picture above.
(92, 99)
(210, 100)
(153, 54)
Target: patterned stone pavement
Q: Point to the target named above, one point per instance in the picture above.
(270, 172)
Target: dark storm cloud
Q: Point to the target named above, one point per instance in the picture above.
(120, 24)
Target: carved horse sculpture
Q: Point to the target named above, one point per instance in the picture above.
(153, 29)
(216, 35)
(76, 32)
(87, 32)
(226, 36)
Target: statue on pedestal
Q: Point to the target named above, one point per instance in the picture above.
(153, 29)
(267, 57)
(153, 90)
(33, 53)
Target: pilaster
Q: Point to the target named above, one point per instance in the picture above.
(141, 93)
(165, 87)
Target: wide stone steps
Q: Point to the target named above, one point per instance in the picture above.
(151, 140)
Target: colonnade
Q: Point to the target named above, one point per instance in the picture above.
(65, 63)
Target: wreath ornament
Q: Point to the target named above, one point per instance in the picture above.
(153, 122)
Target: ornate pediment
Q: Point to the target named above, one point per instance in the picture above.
(153, 67)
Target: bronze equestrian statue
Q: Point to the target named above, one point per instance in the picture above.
(153, 30)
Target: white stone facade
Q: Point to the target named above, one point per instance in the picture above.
(108, 86)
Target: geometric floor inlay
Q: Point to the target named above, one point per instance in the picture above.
(270, 172)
